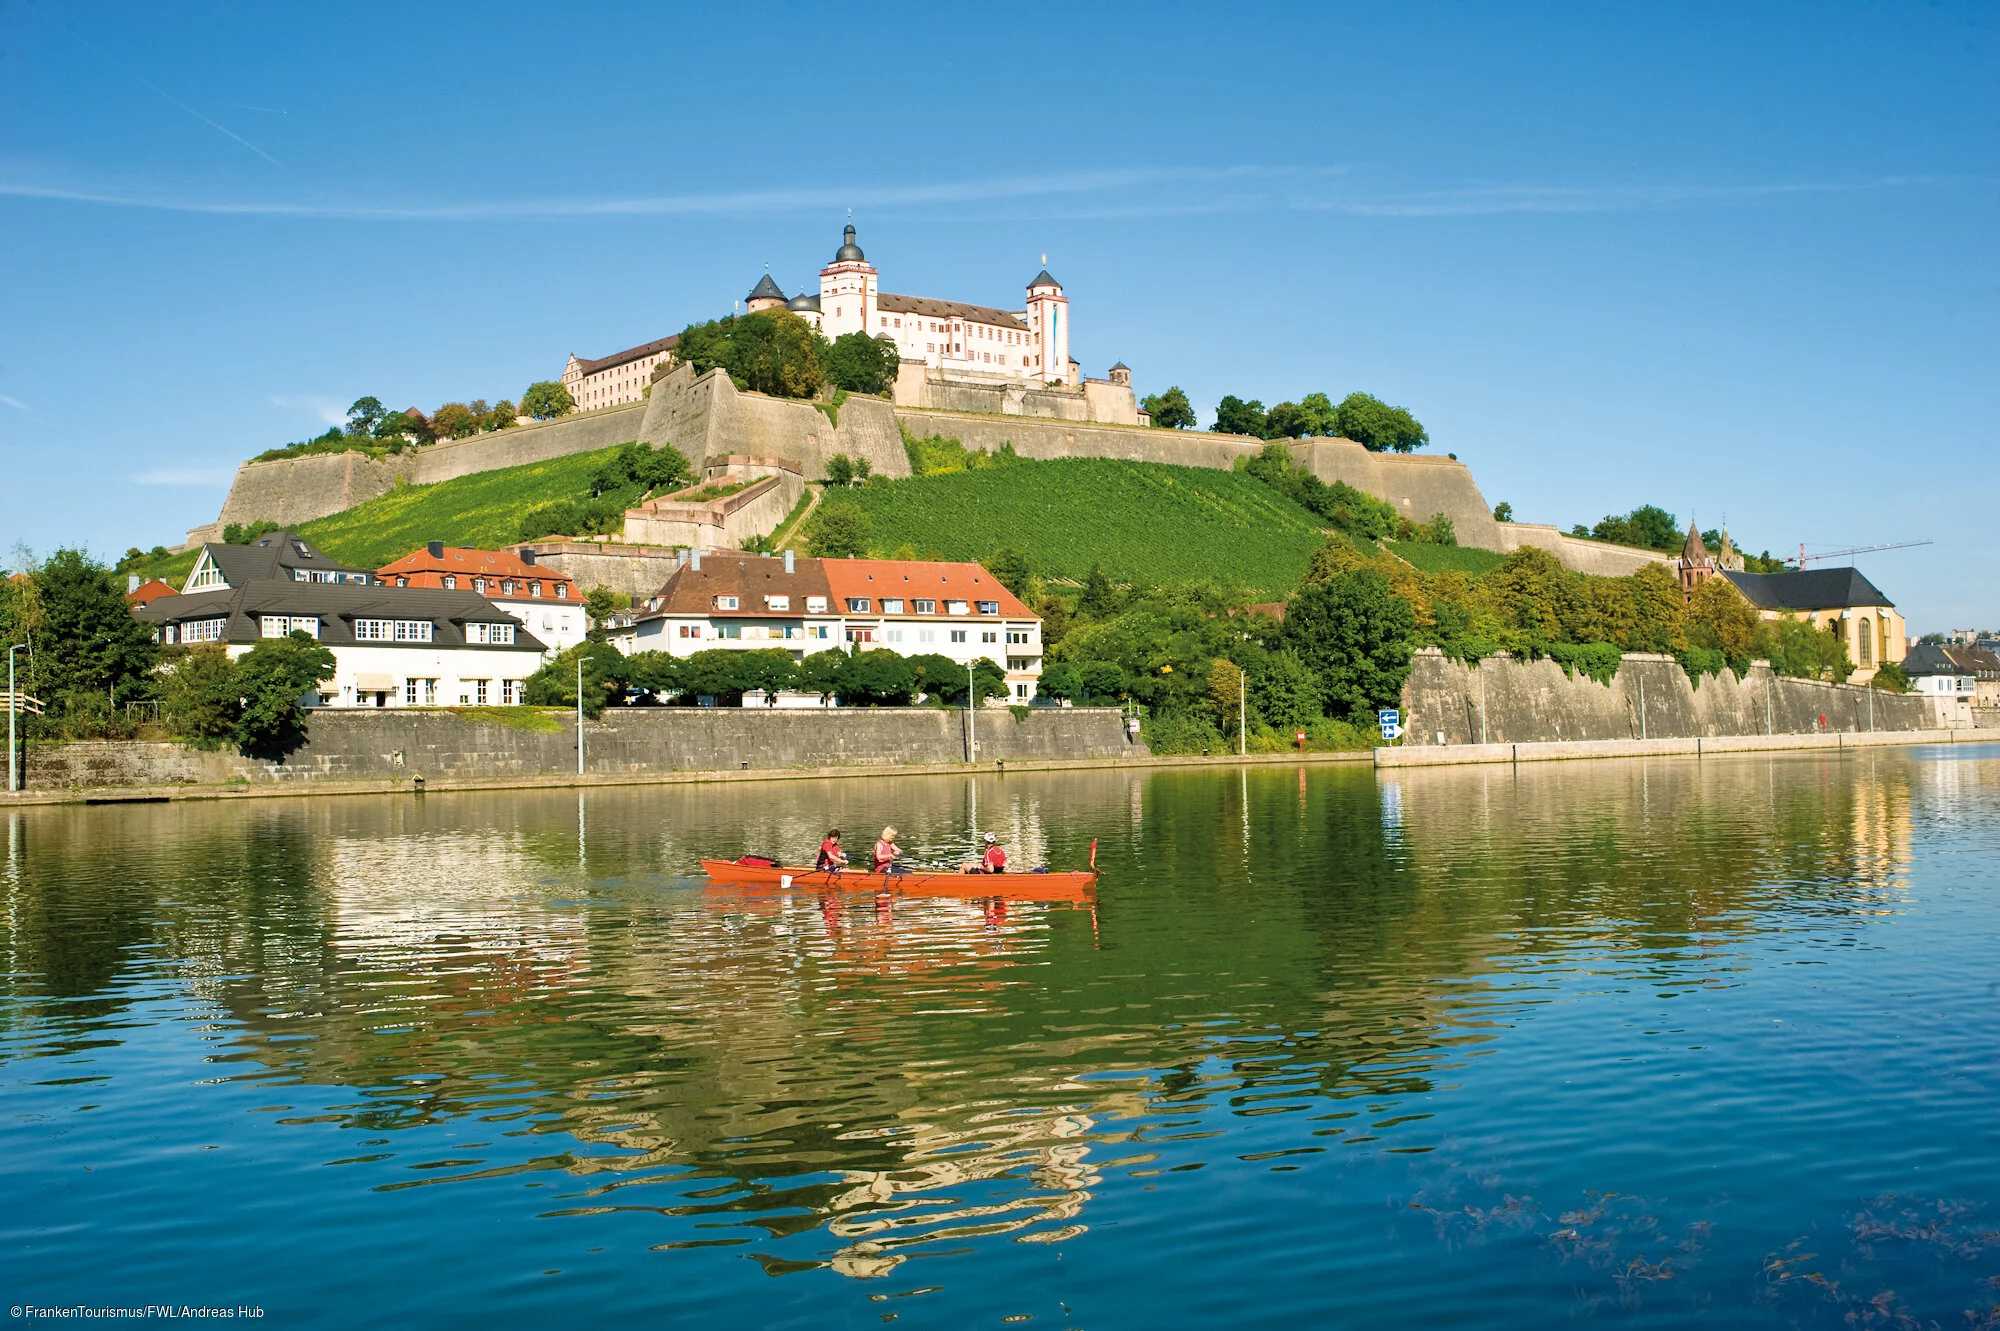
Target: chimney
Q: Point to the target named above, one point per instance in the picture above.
(788, 561)
(527, 556)
(437, 549)
(131, 583)
(694, 560)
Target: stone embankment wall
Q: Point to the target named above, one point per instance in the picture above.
(362, 745)
(1649, 697)
(1611, 561)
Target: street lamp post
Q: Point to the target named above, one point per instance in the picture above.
(13, 706)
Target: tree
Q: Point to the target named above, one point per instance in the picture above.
(599, 604)
(862, 364)
(363, 416)
(605, 676)
(1010, 568)
(1061, 682)
(1285, 692)
(1226, 690)
(1648, 527)
(271, 678)
(409, 426)
(1719, 619)
(1377, 426)
(455, 420)
(1170, 410)
(241, 533)
(1102, 681)
(1353, 632)
(1311, 416)
(769, 669)
(661, 674)
(1235, 416)
(1100, 598)
(545, 400)
(636, 469)
(879, 678)
(838, 530)
(820, 673)
(89, 646)
(771, 351)
(839, 471)
(199, 694)
(1890, 677)
(1503, 512)
(502, 415)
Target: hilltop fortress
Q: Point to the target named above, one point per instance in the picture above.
(985, 376)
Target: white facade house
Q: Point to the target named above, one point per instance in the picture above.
(392, 647)
(734, 601)
(543, 600)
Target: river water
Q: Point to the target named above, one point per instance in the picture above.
(1654, 1042)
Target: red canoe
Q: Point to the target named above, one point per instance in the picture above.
(917, 882)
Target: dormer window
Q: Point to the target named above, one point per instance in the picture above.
(815, 605)
(923, 605)
(450, 582)
(777, 603)
(989, 607)
(534, 589)
(857, 605)
(725, 603)
(507, 587)
(957, 608)
(892, 605)
(562, 591)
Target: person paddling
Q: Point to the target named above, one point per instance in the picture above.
(995, 858)
(886, 851)
(831, 857)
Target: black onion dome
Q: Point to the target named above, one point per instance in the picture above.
(849, 252)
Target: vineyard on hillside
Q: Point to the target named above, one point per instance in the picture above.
(1145, 522)
(482, 510)
(1440, 558)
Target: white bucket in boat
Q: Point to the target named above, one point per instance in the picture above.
(784, 880)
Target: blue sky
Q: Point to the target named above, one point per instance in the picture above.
(1734, 260)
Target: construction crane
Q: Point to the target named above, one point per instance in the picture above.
(1805, 558)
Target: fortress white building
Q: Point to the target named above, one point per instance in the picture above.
(953, 339)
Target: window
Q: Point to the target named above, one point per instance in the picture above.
(730, 631)
(989, 635)
(479, 584)
(958, 635)
(927, 635)
(491, 635)
(956, 608)
(1017, 637)
(777, 603)
(923, 606)
(372, 630)
(279, 626)
(510, 692)
(1020, 663)
(413, 630)
(857, 605)
(450, 581)
(892, 605)
(989, 607)
(204, 630)
(562, 591)
(690, 631)
(534, 589)
(725, 603)
(410, 691)
(819, 631)
(402, 581)
(893, 635)
(507, 587)
(861, 635)
(479, 692)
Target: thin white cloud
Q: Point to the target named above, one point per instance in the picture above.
(187, 476)
(1495, 199)
(740, 203)
(142, 79)
(14, 402)
(324, 408)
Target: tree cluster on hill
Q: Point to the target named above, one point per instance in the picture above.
(1365, 419)
(99, 674)
(776, 352)
(1650, 527)
(625, 479)
(374, 429)
(871, 678)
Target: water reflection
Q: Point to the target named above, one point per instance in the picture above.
(1289, 970)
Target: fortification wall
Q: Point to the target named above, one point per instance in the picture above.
(1611, 561)
(726, 522)
(362, 745)
(289, 491)
(629, 570)
(1419, 485)
(1650, 697)
(708, 418)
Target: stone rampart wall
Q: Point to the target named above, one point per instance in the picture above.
(361, 745)
(724, 523)
(1611, 561)
(289, 491)
(637, 570)
(1649, 697)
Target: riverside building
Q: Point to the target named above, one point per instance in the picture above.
(729, 600)
(544, 600)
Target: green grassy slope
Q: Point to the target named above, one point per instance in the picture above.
(482, 510)
(1438, 558)
(1145, 522)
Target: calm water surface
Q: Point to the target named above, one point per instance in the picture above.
(1656, 1042)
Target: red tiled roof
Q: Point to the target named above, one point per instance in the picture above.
(629, 354)
(947, 309)
(148, 592)
(468, 562)
(749, 578)
(877, 578)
